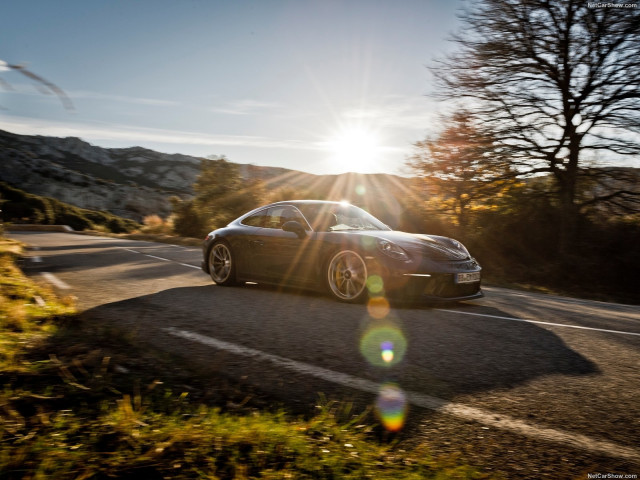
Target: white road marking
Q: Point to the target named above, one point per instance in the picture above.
(503, 422)
(190, 266)
(51, 278)
(514, 319)
(179, 246)
(159, 258)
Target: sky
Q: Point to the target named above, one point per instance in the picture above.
(322, 86)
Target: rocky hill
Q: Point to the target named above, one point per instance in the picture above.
(132, 182)
(135, 182)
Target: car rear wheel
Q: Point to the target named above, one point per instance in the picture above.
(347, 276)
(221, 264)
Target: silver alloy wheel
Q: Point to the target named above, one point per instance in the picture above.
(220, 263)
(347, 275)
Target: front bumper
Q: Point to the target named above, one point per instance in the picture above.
(431, 287)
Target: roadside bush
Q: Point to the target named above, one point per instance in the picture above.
(117, 225)
(189, 221)
(75, 221)
(22, 207)
(154, 224)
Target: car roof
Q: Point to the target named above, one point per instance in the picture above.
(306, 202)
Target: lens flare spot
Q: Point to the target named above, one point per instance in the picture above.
(378, 307)
(361, 190)
(387, 351)
(391, 407)
(368, 243)
(383, 345)
(375, 284)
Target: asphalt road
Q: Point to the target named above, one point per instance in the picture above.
(546, 385)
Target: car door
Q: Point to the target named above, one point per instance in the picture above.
(280, 256)
(246, 246)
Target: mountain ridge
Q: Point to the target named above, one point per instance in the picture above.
(135, 181)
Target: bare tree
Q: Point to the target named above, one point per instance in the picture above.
(556, 82)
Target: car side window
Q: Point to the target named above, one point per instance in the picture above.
(256, 220)
(278, 216)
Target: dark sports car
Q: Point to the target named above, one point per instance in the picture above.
(341, 249)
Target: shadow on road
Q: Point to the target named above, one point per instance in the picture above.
(448, 355)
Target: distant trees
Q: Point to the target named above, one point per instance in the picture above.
(555, 82)
(188, 221)
(288, 193)
(221, 195)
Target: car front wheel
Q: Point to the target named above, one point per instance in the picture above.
(221, 264)
(347, 276)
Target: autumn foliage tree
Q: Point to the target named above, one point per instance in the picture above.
(461, 168)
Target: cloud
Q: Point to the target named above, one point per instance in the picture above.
(82, 94)
(28, 89)
(245, 107)
(139, 135)
(397, 112)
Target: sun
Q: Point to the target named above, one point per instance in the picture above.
(355, 149)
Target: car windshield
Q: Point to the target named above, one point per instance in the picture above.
(330, 217)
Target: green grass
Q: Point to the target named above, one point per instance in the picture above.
(27, 311)
(69, 408)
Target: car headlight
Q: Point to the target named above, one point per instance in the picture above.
(392, 250)
(460, 246)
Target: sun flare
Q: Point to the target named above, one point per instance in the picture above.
(355, 148)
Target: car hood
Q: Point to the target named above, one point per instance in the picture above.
(433, 246)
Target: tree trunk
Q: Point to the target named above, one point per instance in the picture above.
(568, 225)
(569, 211)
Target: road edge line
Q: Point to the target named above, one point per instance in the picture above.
(503, 422)
(51, 278)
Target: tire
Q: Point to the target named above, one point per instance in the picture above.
(346, 275)
(222, 267)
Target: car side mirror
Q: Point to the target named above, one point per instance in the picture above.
(295, 227)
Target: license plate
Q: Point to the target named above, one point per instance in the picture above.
(467, 277)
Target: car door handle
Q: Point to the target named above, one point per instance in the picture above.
(256, 243)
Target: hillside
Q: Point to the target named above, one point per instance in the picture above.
(135, 182)
(18, 206)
